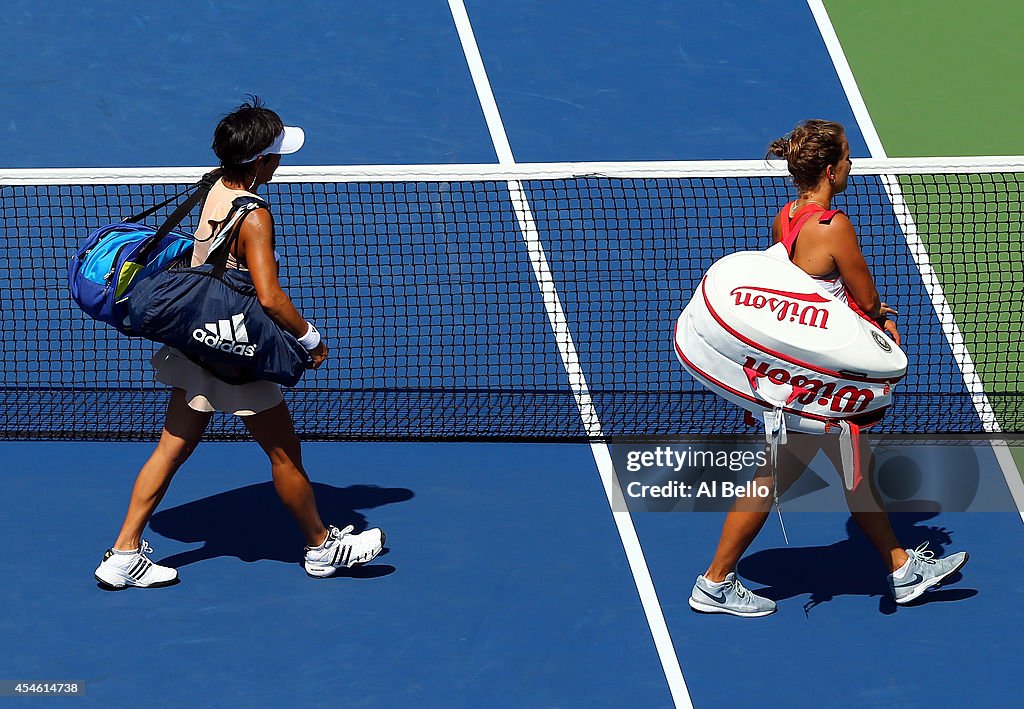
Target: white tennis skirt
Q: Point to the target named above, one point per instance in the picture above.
(205, 392)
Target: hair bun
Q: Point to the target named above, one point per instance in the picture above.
(809, 150)
(779, 148)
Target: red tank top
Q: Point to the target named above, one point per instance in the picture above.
(791, 226)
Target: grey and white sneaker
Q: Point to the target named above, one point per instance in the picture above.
(922, 572)
(343, 548)
(120, 569)
(729, 596)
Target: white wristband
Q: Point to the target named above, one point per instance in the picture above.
(311, 340)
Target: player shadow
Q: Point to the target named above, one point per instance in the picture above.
(251, 524)
(848, 567)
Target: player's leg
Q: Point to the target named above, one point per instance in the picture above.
(748, 514)
(126, 563)
(326, 550)
(719, 590)
(911, 572)
(183, 429)
(274, 431)
(865, 506)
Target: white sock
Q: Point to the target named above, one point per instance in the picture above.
(130, 551)
(902, 571)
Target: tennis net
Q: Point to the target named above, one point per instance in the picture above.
(527, 303)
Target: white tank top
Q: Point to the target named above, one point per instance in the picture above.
(833, 283)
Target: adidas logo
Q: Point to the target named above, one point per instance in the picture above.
(226, 336)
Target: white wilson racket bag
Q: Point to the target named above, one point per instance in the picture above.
(763, 334)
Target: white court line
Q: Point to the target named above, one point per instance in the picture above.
(947, 320)
(853, 95)
(954, 337)
(570, 360)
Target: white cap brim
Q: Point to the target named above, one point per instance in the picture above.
(288, 141)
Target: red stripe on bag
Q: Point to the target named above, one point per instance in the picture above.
(764, 404)
(786, 358)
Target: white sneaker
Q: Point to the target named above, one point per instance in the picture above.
(342, 548)
(120, 569)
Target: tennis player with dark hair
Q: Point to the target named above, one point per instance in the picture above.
(249, 143)
(827, 249)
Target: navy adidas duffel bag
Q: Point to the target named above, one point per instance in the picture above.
(212, 315)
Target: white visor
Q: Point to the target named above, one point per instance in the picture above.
(287, 142)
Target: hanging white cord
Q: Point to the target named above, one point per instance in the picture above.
(775, 435)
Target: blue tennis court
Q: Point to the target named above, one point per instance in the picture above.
(508, 579)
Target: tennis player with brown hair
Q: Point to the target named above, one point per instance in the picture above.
(818, 156)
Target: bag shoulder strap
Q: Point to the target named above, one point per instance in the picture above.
(240, 207)
(199, 191)
(791, 226)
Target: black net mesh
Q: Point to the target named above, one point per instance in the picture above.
(428, 299)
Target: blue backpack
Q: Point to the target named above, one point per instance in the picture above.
(117, 257)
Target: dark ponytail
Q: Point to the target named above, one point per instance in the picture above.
(245, 132)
